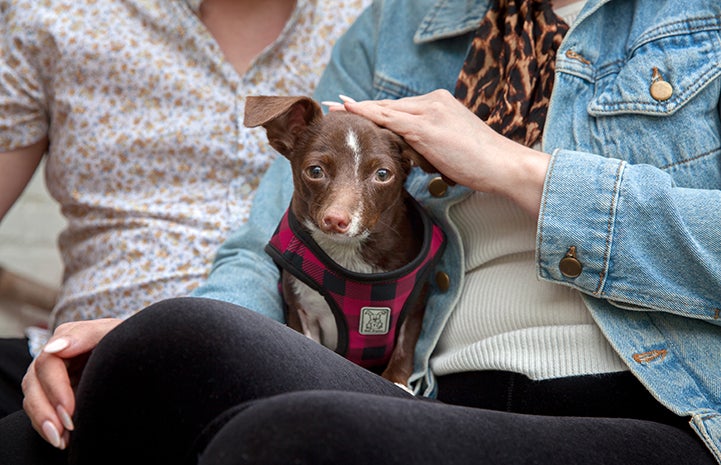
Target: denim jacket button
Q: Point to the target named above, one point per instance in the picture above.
(573, 55)
(569, 265)
(660, 89)
(443, 281)
(437, 187)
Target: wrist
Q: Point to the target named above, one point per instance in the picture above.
(522, 177)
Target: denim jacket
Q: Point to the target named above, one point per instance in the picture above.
(632, 189)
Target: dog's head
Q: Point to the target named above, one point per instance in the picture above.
(348, 173)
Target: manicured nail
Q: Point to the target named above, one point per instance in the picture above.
(52, 435)
(331, 104)
(65, 418)
(346, 99)
(56, 346)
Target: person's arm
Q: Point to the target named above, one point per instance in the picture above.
(452, 138)
(351, 66)
(642, 242)
(16, 170)
(645, 243)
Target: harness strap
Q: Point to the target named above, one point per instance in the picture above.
(368, 308)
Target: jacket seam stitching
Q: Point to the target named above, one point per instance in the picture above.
(609, 230)
(692, 159)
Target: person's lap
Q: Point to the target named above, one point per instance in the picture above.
(315, 427)
(19, 442)
(159, 378)
(187, 373)
(14, 361)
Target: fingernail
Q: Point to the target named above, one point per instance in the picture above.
(65, 418)
(331, 104)
(56, 346)
(346, 99)
(51, 433)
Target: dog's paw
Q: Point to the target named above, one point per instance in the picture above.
(405, 388)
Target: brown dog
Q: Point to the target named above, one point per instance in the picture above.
(354, 247)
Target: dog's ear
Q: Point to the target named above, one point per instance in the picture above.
(284, 118)
(412, 157)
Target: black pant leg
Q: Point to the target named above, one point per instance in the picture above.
(20, 444)
(14, 361)
(324, 428)
(154, 383)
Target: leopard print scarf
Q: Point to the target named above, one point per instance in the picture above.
(508, 75)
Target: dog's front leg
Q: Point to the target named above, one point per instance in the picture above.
(400, 366)
(296, 317)
(292, 318)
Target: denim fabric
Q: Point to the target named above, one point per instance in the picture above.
(633, 182)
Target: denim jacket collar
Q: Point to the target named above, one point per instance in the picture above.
(448, 19)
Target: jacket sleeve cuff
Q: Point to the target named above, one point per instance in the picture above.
(576, 220)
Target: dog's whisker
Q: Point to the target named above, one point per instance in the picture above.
(390, 228)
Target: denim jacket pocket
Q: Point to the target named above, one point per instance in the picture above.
(662, 72)
(630, 116)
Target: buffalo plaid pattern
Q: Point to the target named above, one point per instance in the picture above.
(368, 308)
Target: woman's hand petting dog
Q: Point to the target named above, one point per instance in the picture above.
(452, 138)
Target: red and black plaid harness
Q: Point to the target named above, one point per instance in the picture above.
(368, 308)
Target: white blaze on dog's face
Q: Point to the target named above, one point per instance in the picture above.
(355, 218)
(348, 172)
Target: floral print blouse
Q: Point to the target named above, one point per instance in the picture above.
(148, 156)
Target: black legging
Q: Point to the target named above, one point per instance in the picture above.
(196, 380)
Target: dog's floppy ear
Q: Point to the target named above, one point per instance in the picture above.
(284, 118)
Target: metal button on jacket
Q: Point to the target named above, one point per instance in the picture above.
(569, 264)
(660, 90)
(437, 187)
(443, 281)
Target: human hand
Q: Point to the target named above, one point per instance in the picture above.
(454, 139)
(50, 379)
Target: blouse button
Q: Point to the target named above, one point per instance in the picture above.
(569, 265)
(437, 187)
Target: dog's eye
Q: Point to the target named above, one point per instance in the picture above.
(314, 172)
(383, 175)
